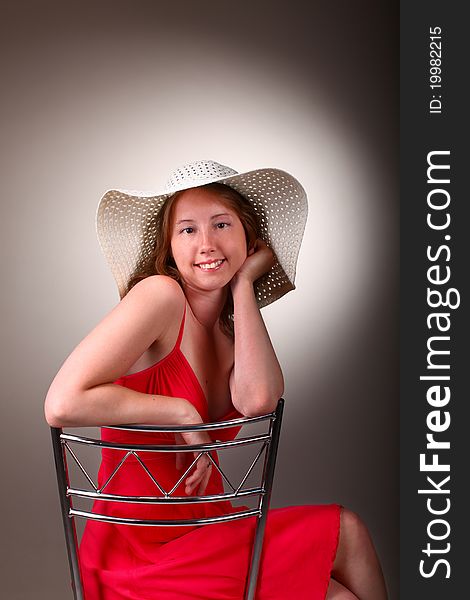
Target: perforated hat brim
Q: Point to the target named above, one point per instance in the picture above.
(127, 232)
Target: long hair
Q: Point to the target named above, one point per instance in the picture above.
(161, 261)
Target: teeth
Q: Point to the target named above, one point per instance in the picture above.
(211, 265)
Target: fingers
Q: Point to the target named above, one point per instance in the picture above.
(262, 249)
(200, 477)
(259, 243)
(203, 468)
(205, 481)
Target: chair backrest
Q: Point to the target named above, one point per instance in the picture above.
(65, 446)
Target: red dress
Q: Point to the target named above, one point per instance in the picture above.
(125, 562)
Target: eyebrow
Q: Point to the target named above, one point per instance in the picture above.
(212, 217)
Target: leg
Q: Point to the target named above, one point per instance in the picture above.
(336, 591)
(356, 564)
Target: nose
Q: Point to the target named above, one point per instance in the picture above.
(207, 245)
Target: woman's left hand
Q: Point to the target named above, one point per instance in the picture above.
(202, 470)
(259, 260)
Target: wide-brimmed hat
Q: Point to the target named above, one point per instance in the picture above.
(125, 221)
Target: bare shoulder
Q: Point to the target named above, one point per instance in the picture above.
(158, 285)
(157, 297)
(141, 318)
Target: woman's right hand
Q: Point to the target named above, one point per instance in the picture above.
(201, 472)
(259, 260)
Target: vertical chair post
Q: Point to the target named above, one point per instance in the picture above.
(268, 477)
(65, 505)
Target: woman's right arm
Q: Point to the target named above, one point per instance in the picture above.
(83, 392)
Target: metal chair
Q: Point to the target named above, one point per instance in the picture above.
(64, 444)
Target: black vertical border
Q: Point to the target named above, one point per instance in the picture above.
(422, 132)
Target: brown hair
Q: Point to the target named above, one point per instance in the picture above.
(161, 261)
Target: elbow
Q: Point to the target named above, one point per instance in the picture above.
(260, 405)
(254, 411)
(55, 412)
(259, 399)
(266, 400)
(59, 409)
(53, 416)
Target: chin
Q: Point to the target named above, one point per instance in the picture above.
(206, 286)
(210, 287)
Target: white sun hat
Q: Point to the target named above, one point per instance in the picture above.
(125, 221)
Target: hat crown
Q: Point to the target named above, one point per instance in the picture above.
(196, 174)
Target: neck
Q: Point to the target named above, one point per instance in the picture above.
(206, 306)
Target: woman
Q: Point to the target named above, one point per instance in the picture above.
(187, 344)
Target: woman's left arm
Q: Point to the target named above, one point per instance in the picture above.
(256, 381)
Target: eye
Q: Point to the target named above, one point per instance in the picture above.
(222, 225)
(187, 230)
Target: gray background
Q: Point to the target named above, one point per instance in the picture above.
(115, 94)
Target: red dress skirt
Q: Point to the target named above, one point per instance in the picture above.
(125, 562)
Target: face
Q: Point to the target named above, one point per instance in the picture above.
(208, 240)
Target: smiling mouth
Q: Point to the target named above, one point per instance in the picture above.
(211, 266)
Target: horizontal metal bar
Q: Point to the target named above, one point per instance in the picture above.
(164, 447)
(164, 523)
(163, 499)
(196, 427)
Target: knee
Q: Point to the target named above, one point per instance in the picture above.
(348, 595)
(352, 526)
(337, 591)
